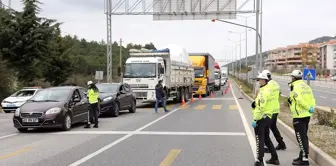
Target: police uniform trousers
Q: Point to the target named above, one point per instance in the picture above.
(301, 132)
(93, 113)
(262, 131)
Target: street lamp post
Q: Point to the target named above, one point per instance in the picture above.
(258, 35)
(246, 17)
(258, 43)
(240, 46)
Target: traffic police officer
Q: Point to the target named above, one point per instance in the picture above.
(92, 94)
(302, 104)
(262, 114)
(276, 110)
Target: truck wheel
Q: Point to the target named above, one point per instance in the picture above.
(186, 94)
(182, 94)
(178, 96)
(207, 91)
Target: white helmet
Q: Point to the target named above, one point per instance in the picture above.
(89, 82)
(262, 76)
(267, 73)
(296, 74)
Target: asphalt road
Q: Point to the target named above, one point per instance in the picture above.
(324, 96)
(208, 132)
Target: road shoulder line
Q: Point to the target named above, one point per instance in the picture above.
(249, 134)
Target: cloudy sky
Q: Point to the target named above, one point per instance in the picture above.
(285, 22)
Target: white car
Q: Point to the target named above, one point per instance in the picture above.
(17, 99)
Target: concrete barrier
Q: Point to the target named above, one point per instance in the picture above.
(316, 154)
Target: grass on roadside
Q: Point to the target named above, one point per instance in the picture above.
(321, 131)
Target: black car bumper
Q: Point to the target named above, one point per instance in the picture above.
(106, 107)
(43, 122)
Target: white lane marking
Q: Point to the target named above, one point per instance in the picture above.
(93, 132)
(216, 98)
(249, 134)
(89, 156)
(6, 136)
(323, 97)
(333, 99)
(155, 133)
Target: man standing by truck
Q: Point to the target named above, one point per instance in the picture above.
(160, 97)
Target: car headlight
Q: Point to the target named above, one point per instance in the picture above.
(20, 103)
(17, 112)
(55, 110)
(107, 99)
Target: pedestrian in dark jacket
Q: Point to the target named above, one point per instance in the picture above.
(160, 96)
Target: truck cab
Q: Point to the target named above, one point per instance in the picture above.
(142, 74)
(203, 64)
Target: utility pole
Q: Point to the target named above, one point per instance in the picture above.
(261, 25)
(120, 60)
(257, 33)
(246, 49)
(240, 52)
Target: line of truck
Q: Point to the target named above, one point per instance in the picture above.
(183, 74)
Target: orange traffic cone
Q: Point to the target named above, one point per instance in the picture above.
(183, 102)
(192, 98)
(199, 97)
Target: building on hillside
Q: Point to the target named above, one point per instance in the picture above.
(328, 56)
(293, 56)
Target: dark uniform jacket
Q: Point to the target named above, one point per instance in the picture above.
(159, 92)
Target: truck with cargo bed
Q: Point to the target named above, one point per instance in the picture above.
(145, 68)
(204, 68)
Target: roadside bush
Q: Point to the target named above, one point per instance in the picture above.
(326, 118)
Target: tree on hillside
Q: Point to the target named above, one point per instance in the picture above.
(150, 46)
(57, 67)
(25, 40)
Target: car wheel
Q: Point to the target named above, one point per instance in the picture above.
(23, 130)
(133, 107)
(115, 110)
(67, 122)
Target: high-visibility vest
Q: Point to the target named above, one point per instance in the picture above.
(263, 103)
(302, 98)
(93, 96)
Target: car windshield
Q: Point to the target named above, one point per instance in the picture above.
(51, 95)
(24, 93)
(107, 88)
(198, 73)
(140, 70)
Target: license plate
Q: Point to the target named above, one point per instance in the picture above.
(11, 105)
(30, 120)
